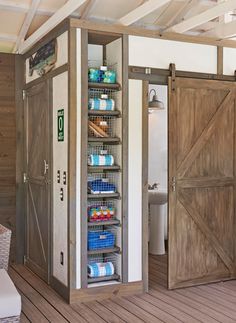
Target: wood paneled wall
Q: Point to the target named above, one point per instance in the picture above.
(8, 145)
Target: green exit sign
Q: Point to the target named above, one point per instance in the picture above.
(60, 125)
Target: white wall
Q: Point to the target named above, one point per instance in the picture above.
(60, 162)
(158, 140)
(158, 53)
(135, 181)
(229, 58)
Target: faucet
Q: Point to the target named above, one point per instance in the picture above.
(153, 186)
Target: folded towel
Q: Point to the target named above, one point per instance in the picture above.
(100, 160)
(109, 76)
(101, 186)
(100, 269)
(102, 104)
(100, 240)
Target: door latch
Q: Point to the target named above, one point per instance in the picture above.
(46, 167)
(25, 178)
(173, 184)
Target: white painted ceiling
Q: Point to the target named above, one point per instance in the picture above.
(14, 12)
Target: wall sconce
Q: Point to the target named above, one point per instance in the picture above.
(154, 104)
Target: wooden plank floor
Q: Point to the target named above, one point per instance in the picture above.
(207, 304)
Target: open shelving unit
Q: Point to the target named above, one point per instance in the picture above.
(105, 135)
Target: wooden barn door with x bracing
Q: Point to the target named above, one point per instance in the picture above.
(202, 177)
(37, 178)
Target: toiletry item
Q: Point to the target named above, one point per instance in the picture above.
(100, 160)
(100, 269)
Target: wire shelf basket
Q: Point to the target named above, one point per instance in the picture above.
(101, 211)
(103, 126)
(104, 267)
(103, 155)
(103, 183)
(102, 238)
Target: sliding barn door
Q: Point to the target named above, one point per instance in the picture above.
(37, 177)
(202, 165)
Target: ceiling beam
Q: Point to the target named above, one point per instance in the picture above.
(184, 9)
(205, 16)
(87, 9)
(142, 11)
(26, 24)
(222, 31)
(8, 37)
(9, 5)
(145, 32)
(69, 7)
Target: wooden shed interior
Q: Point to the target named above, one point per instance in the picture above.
(57, 120)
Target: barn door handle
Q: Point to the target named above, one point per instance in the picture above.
(46, 167)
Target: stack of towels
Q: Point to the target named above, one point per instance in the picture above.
(101, 186)
(102, 104)
(100, 160)
(100, 269)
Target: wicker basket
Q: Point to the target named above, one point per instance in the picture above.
(5, 241)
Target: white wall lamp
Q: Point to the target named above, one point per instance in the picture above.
(154, 104)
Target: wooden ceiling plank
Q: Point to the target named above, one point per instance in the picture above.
(26, 24)
(69, 7)
(9, 5)
(162, 12)
(8, 37)
(205, 16)
(141, 11)
(182, 10)
(87, 9)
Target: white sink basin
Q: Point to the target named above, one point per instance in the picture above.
(157, 197)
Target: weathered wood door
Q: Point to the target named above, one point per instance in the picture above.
(37, 178)
(202, 177)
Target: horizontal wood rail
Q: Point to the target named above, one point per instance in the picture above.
(160, 76)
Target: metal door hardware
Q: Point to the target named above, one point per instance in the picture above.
(46, 167)
(58, 177)
(64, 178)
(25, 178)
(61, 194)
(173, 184)
(62, 258)
(148, 70)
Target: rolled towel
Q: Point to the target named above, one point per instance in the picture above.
(100, 160)
(102, 104)
(100, 269)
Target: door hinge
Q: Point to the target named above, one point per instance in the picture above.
(23, 94)
(173, 184)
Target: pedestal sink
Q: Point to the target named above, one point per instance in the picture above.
(157, 196)
(157, 200)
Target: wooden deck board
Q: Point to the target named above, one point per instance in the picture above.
(213, 303)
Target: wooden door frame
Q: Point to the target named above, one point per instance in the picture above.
(145, 160)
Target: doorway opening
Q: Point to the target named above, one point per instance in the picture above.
(158, 184)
